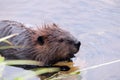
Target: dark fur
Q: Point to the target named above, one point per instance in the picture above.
(48, 44)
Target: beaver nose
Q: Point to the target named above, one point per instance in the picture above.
(77, 45)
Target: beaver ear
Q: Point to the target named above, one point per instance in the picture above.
(40, 40)
(55, 25)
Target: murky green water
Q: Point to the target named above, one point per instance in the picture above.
(96, 23)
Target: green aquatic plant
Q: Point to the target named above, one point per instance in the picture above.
(59, 76)
(2, 65)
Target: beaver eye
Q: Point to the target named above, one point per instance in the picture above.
(61, 40)
(40, 40)
(69, 41)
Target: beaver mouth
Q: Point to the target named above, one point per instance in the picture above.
(51, 63)
(71, 55)
(67, 59)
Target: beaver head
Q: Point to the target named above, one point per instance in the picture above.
(53, 44)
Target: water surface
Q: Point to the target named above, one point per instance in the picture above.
(96, 23)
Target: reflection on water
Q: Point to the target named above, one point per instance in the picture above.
(94, 23)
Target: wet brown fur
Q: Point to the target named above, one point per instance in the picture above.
(58, 44)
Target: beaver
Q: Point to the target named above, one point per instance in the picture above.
(48, 44)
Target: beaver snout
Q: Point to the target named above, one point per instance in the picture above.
(77, 45)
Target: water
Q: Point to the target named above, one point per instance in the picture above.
(96, 23)
(14, 73)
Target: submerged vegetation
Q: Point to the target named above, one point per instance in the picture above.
(57, 76)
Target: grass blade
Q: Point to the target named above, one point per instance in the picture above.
(7, 37)
(22, 62)
(7, 47)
